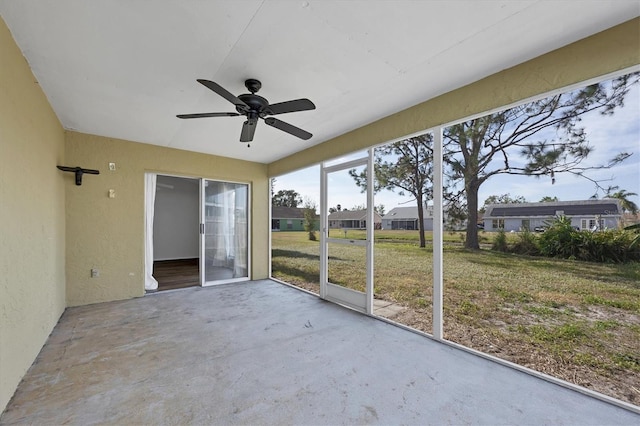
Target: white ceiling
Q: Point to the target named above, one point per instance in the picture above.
(125, 68)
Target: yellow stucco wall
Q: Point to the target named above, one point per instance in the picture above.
(615, 49)
(32, 222)
(108, 233)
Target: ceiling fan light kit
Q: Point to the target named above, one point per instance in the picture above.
(256, 107)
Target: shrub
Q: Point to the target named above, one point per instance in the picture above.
(309, 220)
(527, 243)
(635, 241)
(562, 240)
(500, 242)
(611, 246)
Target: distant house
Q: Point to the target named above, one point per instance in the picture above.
(290, 219)
(629, 219)
(584, 215)
(407, 218)
(352, 219)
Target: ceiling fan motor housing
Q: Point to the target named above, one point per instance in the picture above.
(254, 102)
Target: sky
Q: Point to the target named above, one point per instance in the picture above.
(608, 135)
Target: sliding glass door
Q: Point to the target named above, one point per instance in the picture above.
(224, 232)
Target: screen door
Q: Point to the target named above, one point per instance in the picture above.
(346, 273)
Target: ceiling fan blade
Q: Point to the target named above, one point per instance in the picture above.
(248, 130)
(222, 92)
(291, 106)
(208, 114)
(286, 127)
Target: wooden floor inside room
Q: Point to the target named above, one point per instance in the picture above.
(174, 274)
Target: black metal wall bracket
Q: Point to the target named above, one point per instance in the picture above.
(79, 171)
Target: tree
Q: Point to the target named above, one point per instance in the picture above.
(286, 198)
(378, 209)
(502, 199)
(406, 166)
(310, 216)
(337, 208)
(623, 195)
(548, 199)
(514, 141)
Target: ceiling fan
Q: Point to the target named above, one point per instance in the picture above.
(253, 107)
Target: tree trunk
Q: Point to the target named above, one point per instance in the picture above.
(471, 189)
(421, 221)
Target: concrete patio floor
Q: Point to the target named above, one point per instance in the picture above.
(265, 353)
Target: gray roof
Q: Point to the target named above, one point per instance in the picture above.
(279, 212)
(353, 215)
(606, 207)
(405, 213)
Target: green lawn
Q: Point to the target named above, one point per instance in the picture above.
(574, 320)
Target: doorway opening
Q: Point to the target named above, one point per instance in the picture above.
(176, 250)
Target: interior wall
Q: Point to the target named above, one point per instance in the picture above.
(176, 219)
(613, 50)
(32, 221)
(108, 233)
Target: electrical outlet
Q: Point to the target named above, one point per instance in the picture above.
(112, 193)
(95, 273)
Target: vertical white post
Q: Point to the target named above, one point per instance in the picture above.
(324, 224)
(437, 234)
(270, 189)
(370, 233)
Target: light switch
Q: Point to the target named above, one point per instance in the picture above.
(112, 193)
(112, 166)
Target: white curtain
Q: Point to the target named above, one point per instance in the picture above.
(219, 221)
(240, 226)
(227, 194)
(227, 222)
(150, 283)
